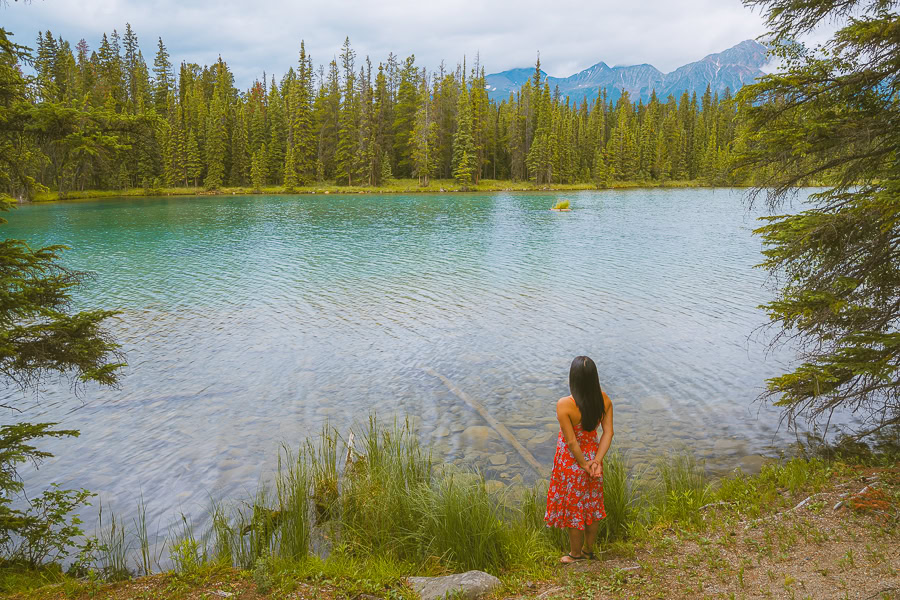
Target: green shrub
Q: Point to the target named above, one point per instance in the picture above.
(46, 531)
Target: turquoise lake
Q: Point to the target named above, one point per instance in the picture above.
(248, 321)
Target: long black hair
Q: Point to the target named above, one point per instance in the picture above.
(584, 383)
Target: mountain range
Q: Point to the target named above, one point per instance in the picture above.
(731, 69)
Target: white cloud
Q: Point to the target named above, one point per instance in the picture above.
(265, 35)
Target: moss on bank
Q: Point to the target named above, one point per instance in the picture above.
(398, 186)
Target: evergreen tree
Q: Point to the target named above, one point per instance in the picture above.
(424, 136)
(347, 133)
(193, 167)
(463, 145)
(163, 77)
(40, 332)
(405, 115)
(386, 174)
(240, 155)
(831, 117)
(290, 169)
(258, 170)
(215, 145)
(303, 136)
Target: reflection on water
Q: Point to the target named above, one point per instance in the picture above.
(248, 321)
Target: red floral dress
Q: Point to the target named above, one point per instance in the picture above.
(575, 499)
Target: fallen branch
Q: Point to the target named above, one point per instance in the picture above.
(711, 504)
(856, 495)
(552, 590)
(777, 515)
(499, 427)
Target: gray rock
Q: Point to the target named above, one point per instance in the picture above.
(478, 436)
(498, 459)
(753, 463)
(441, 431)
(470, 585)
(539, 439)
(728, 446)
(523, 435)
(493, 486)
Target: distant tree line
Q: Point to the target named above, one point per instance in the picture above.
(104, 119)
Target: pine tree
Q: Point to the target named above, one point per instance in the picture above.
(831, 116)
(367, 160)
(386, 174)
(215, 145)
(240, 155)
(599, 170)
(163, 78)
(278, 129)
(463, 145)
(290, 169)
(299, 108)
(424, 136)
(480, 125)
(258, 169)
(405, 115)
(345, 154)
(193, 167)
(130, 42)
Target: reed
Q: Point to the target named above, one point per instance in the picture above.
(679, 489)
(185, 552)
(113, 547)
(142, 533)
(462, 525)
(293, 518)
(384, 499)
(619, 498)
(382, 491)
(323, 467)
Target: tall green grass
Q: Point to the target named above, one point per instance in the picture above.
(113, 546)
(382, 492)
(384, 498)
(462, 525)
(619, 498)
(679, 489)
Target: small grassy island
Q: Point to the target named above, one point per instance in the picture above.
(561, 206)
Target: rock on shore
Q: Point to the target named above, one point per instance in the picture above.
(470, 585)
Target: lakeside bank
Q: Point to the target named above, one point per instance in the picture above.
(396, 186)
(333, 525)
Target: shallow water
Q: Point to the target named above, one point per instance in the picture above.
(248, 321)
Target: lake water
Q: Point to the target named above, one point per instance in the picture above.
(250, 321)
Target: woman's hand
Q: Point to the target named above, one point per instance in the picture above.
(594, 468)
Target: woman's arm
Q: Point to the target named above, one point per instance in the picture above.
(607, 424)
(564, 413)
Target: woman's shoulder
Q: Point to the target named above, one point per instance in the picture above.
(566, 401)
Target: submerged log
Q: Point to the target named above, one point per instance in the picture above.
(497, 426)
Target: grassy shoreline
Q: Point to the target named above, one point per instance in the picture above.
(390, 512)
(399, 186)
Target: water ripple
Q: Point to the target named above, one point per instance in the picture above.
(248, 321)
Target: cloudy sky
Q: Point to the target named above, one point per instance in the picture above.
(257, 35)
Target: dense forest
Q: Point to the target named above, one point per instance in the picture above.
(104, 119)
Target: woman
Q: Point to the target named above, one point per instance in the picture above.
(575, 498)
